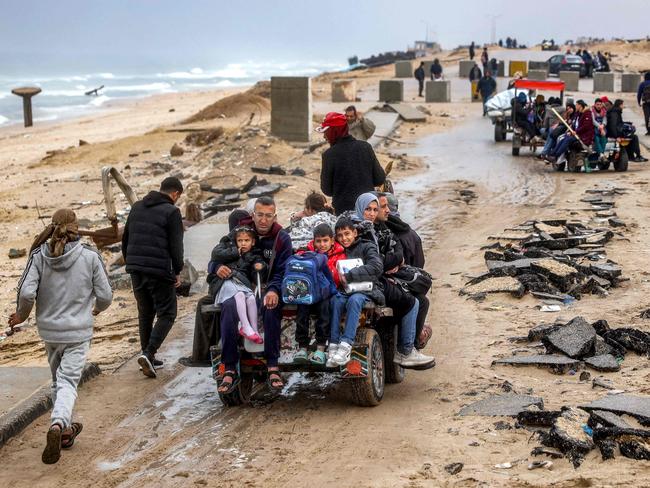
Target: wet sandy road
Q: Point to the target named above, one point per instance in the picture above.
(174, 430)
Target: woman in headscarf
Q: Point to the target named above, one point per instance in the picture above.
(69, 284)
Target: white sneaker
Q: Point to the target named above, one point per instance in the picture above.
(342, 355)
(414, 358)
(331, 351)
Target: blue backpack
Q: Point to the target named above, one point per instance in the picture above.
(304, 283)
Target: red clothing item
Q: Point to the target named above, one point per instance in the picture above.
(585, 129)
(335, 254)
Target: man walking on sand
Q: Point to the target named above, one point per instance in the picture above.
(419, 75)
(68, 282)
(152, 246)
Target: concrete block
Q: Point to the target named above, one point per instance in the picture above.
(501, 68)
(543, 65)
(603, 82)
(537, 74)
(291, 113)
(630, 82)
(570, 79)
(403, 69)
(344, 91)
(464, 67)
(514, 66)
(437, 91)
(391, 90)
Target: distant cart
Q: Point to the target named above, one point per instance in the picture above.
(519, 136)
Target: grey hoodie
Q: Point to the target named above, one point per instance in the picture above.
(63, 289)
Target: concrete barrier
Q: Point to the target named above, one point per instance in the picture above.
(391, 90)
(437, 91)
(464, 67)
(538, 65)
(501, 68)
(514, 66)
(344, 91)
(403, 69)
(291, 115)
(537, 74)
(630, 82)
(571, 80)
(603, 82)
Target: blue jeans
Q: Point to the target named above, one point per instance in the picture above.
(353, 305)
(406, 338)
(548, 146)
(563, 145)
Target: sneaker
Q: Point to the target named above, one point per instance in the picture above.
(146, 366)
(414, 358)
(331, 351)
(342, 355)
(158, 363)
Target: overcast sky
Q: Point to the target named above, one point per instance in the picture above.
(58, 35)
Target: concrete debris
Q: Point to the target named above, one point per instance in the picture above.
(604, 362)
(502, 405)
(575, 339)
(270, 170)
(569, 436)
(266, 190)
(543, 418)
(557, 363)
(454, 468)
(603, 418)
(17, 253)
(636, 406)
(504, 284)
(633, 443)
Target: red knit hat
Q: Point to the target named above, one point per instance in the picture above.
(332, 119)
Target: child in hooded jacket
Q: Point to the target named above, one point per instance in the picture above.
(68, 283)
(324, 243)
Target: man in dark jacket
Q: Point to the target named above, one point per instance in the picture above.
(615, 127)
(152, 246)
(419, 75)
(643, 98)
(486, 87)
(275, 244)
(471, 51)
(436, 70)
(350, 167)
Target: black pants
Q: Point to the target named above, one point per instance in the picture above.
(206, 331)
(420, 87)
(646, 115)
(322, 325)
(397, 299)
(156, 297)
(633, 149)
(423, 310)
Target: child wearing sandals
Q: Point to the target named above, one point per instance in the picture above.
(324, 243)
(68, 282)
(237, 253)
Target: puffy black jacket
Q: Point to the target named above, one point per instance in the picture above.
(153, 237)
(242, 267)
(349, 169)
(410, 240)
(371, 270)
(389, 245)
(615, 122)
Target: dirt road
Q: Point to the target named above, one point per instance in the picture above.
(173, 431)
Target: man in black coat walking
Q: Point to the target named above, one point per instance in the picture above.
(152, 246)
(419, 75)
(350, 167)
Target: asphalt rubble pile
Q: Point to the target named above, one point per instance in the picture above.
(555, 259)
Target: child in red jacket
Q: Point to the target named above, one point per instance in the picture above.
(323, 243)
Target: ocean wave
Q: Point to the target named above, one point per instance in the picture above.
(3, 119)
(147, 87)
(99, 101)
(61, 93)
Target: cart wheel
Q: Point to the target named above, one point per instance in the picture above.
(620, 164)
(499, 132)
(394, 372)
(241, 395)
(575, 161)
(515, 151)
(368, 391)
(603, 165)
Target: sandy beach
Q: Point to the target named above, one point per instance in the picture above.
(175, 431)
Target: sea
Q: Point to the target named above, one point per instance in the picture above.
(63, 95)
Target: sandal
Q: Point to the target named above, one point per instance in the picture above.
(318, 358)
(301, 356)
(274, 380)
(52, 451)
(70, 434)
(226, 388)
(425, 335)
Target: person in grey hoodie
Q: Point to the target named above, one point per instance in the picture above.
(69, 284)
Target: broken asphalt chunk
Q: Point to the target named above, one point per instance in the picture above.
(568, 436)
(604, 362)
(557, 363)
(502, 405)
(504, 284)
(270, 170)
(603, 418)
(575, 339)
(542, 418)
(561, 275)
(633, 443)
(636, 406)
(264, 191)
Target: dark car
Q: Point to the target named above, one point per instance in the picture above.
(567, 62)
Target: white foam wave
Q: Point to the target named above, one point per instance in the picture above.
(99, 101)
(147, 87)
(3, 119)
